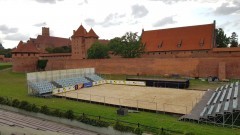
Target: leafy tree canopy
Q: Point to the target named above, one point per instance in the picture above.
(221, 39)
(234, 40)
(128, 46)
(98, 51)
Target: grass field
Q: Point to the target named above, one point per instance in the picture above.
(14, 85)
(5, 66)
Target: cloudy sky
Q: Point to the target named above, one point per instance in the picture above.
(22, 19)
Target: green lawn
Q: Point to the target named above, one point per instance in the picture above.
(5, 65)
(14, 85)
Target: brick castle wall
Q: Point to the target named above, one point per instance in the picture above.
(191, 67)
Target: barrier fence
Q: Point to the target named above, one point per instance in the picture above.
(129, 103)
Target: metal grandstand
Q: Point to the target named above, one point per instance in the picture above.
(40, 83)
(219, 107)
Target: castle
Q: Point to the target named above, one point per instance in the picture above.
(188, 51)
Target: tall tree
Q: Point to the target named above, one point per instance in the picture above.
(221, 39)
(234, 40)
(98, 51)
(1, 46)
(128, 46)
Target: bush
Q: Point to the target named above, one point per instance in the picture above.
(57, 113)
(24, 105)
(45, 110)
(120, 127)
(15, 103)
(138, 131)
(34, 108)
(2, 100)
(69, 114)
(94, 122)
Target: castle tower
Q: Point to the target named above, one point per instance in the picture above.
(78, 43)
(91, 37)
(45, 31)
(25, 57)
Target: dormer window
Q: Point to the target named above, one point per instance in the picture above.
(160, 44)
(179, 43)
(201, 43)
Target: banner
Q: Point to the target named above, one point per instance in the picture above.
(123, 82)
(89, 84)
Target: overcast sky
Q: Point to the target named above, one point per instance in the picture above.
(22, 19)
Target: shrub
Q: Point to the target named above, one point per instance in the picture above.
(138, 131)
(2, 100)
(24, 105)
(123, 128)
(69, 114)
(34, 108)
(57, 113)
(45, 110)
(15, 103)
(93, 122)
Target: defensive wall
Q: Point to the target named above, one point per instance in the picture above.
(224, 67)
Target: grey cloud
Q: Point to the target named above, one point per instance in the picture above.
(164, 21)
(6, 30)
(83, 2)
(42, 24)
(48, 1)
(175, 1)
(90, 22)
(139, 11)
(225, 9)
(110, 20)
(16, 37)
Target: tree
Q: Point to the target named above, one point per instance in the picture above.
(128, 46)
(221, 39)
(234, 40)
(1, 46)
(98, 51)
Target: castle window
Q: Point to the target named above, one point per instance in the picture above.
(201, 43)
(160, 44)
(179, 44)
(28, 54)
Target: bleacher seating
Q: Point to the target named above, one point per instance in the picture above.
(71, 81)
(225, 100)
(94, 77)
(42, 87)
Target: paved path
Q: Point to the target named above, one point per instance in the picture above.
(18, 124)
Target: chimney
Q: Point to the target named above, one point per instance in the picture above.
(45, 31)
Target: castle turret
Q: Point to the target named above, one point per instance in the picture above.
(25, 57)
(45, 31)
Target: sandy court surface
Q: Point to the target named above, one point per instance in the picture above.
(161, 99)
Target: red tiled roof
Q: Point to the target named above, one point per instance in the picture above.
(190, 38)
(91, 33)
(53, 41)
(80, 32)
(26, 47)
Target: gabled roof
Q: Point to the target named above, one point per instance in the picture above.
(28, 47)
(198, 37)
(53, 41)
(80, 32)
(91, 33)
